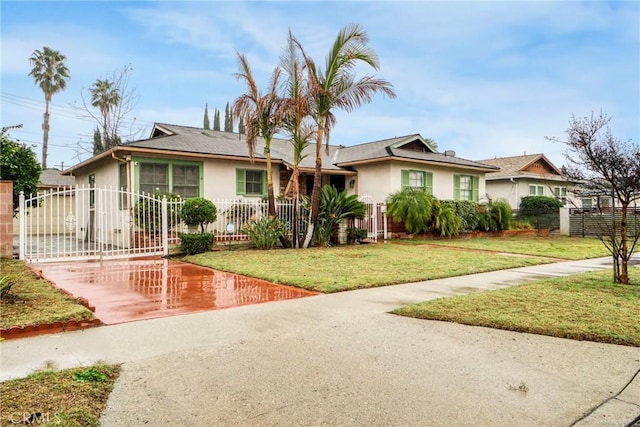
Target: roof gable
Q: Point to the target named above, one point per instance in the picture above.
(528, 164)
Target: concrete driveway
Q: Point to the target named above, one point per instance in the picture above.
(341, 359)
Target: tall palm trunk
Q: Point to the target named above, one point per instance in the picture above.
(45, 131)
(315, 194)
(270, 195)
(294, 215)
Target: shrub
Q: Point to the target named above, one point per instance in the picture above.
(265, 231)
(147, 212)
(467, 211)
(540, 211)
(522, 225)
(355, 235)
(444, 219)
(413, 207)
(198, 211)
(536, 205)
(335, 207)
(496, 216)
(196, 243)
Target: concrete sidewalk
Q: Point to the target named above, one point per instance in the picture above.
(340, 359)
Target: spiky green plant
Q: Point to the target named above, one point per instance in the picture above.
(413, 207)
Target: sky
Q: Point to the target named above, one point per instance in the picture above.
(485, 79)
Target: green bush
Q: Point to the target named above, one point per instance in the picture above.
(147, 212)
(265, 231)
(540, 211)
(496, 216)
(536, 205)
(522, 225)
(335, 206)
(467, 211)
(444, 219)
(413, 207)
(198, 211)
(196, 243)
(355, 235)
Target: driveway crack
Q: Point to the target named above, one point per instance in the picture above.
(615, 396)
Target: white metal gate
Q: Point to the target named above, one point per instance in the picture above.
(92, 223)
(371, 220)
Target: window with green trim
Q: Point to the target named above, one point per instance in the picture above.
(417, 179)
(154, 178)
(186, 180)
(536, 190)
(251, 182)
(466, 187)
(177, 177)
(123, 186)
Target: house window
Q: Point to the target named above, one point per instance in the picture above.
(418, 179)
(561, 194)
(587, 203)
(154, 178)
(92, 192)
(123, 186)
(536, 190)
(466, 187)
(180, 178)
(186, 180)
(251, 182)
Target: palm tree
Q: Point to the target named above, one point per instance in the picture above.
(297, 106)
(336, 87)
(105, 96)
(50, 73)
(260, 116)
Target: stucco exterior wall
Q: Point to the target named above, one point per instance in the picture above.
(381, 179)
(514, 191)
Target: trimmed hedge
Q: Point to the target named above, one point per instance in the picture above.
(196, 243)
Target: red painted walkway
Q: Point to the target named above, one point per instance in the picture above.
(127, 290)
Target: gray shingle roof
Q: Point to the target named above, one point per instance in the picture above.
(511, 167)
(186, 139)
(392, 147)
(52, 178)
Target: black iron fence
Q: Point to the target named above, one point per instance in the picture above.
(539, 219)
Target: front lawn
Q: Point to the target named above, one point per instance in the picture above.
(72, 397)
(582, 307)
(34, 301)
(360, 266)
(570, 248)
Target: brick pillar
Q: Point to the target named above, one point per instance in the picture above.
(6, 219)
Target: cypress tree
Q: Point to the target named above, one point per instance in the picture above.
(216, 120)
(227, 119)
(241, 129)
(206, 124)
(97, 142)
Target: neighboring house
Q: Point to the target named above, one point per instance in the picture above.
(196, 162)
(527, 175)
(51, 181)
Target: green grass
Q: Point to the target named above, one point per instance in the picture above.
(581, 307)
(61, 399)
(33, 301)
(360, 266)
(569, 248)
